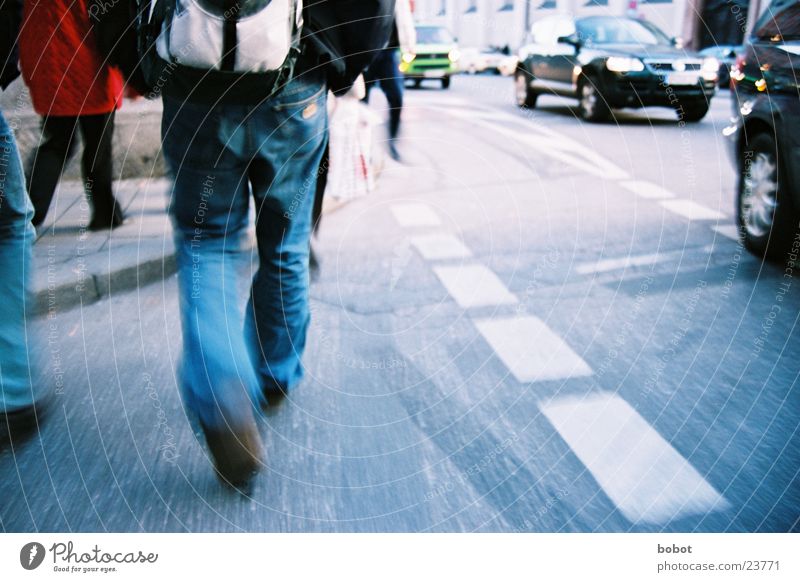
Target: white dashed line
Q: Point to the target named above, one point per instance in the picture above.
(532, 351)
(415, 214)
(474, 286)
(647, 190)
(691, 210)
(647, 479)
(728, 230)
(606, 265)
(435, 247)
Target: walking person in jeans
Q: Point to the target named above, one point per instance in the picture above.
(19, 401)
(73, 89)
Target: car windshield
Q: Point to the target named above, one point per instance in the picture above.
(433, 35)
(609, 30)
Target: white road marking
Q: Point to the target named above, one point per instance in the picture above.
(605, 265)
(647, 189)
(532, 351)
(647, 479)
(551, 144)
(474, 286)
(729, 230)
(440, 246)
(415, 214)
(691, 210)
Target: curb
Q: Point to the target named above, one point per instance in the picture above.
(86, 288)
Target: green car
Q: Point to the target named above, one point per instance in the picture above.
(436, 58)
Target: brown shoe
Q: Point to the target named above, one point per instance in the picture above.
(236, 448)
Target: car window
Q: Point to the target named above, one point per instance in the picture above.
(609, 30)
(433, 35)
(548, 30)
(781, 20)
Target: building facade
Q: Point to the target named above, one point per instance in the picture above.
(484, 23)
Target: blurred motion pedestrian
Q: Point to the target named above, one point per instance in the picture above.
(20, 402)
(74, 89)
(244, 95)
(385, 69)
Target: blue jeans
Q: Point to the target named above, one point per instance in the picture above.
(16, 249)
(219, 156)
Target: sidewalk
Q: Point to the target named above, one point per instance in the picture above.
(74, 266)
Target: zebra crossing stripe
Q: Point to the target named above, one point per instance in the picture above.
(474, 286)
(647, 479)
(415, 214)
(531, 351)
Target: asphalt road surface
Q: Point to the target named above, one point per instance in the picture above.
(534, 324)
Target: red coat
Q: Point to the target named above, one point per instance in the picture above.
(60, 61)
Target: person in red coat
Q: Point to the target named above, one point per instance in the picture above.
(72, 88)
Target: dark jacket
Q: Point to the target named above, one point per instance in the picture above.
(339, 36)
(10, 20)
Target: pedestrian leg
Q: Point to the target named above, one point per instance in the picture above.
(97, 165)
(56, 147)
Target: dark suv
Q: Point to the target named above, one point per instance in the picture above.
(608, 62)
(765, 133)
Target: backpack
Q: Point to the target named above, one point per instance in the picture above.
(243, 50)
(339, 36)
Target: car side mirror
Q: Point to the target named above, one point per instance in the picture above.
(677, 42)
(571, 40)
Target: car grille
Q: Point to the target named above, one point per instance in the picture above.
(432, 56)
(422, 66)
(659, 66)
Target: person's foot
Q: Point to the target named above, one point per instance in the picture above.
(393, 153)
(17, 425)
(313, 265)
(235, 446)
(274, 396)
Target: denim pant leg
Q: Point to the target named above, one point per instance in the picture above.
(16, 249)
(209, 212)
(291, 134)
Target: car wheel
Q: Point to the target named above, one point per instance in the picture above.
(593, 106)
(693, 112)
(445, 82)
(523, 94)
(768, 222)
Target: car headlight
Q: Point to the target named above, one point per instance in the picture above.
(454, 55)
(408, 57)
(624, 64)
(710, 69)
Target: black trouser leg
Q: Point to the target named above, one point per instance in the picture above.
(56, 146)
(97, 168)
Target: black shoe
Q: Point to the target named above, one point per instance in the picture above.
(236, 448)
(274, 396)
(393, 153)
(313, 266)
(20, 424)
